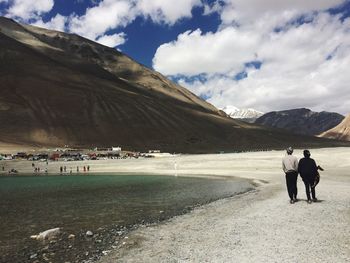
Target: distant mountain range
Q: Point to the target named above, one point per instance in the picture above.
(248, 115)
(339, 132)
(301, 121)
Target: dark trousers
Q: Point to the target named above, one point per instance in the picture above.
(307, 189)
(291, 179)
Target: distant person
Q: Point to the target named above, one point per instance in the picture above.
(84, 169)
(77, 169)
(65, 169)
(308, 172)
(61, 169)
(88, 168)
(290, 168)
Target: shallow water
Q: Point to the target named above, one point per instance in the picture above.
(100, 203)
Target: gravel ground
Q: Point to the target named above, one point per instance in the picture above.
(260, 226)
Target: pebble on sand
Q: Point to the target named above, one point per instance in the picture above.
(47, 235)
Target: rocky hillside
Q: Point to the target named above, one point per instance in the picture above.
(61, 89)
(339, 132)
(301, 121)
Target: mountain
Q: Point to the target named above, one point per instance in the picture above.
(339, 132)
(301, 121)
(248, 115)
(61, 89)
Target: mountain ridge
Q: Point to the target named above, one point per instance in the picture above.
(61, 89)
(301, 121)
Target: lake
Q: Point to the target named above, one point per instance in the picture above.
(107, 205)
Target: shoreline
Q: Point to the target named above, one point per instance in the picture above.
(107, 233)
(245, 231)
(252, 226)
(228, 229)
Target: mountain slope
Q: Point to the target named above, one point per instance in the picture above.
(61, 89)
(339, 132)
(301, 121)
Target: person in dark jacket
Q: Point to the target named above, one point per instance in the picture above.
(307, 169)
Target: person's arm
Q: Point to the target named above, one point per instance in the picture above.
(296, 165)
(314, 166)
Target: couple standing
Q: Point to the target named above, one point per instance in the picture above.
(307, 169)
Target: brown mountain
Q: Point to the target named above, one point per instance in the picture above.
(340, 132)
(59, 89)
(301, 121)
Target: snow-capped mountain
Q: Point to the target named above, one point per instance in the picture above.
(249, 115)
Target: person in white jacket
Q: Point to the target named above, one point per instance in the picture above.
(290, 168)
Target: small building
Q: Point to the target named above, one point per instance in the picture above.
(55, 156)
(116, 149)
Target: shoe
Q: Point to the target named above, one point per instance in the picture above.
(296, 199)
(314, 200)
(291, 201)
(309, 201)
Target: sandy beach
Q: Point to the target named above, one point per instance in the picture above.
(259, 226)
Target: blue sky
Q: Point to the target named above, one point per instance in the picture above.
(262, 54)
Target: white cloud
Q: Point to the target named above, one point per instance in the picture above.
(246, 11)
(166, 11)
(112, 40)
(29, 9)
(56, 23)
(107, 15)
(113, 14)
(303, 65)
(193, 53)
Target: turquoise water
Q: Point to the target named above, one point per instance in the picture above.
(100, 203)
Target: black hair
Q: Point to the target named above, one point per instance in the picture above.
(307, 153)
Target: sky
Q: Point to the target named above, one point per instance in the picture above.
(262, 54)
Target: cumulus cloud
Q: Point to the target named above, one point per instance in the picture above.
(166, 11)
(247, 11)
(55, 23)
(107, 15)
(194, 53)
(29, 9)
(112, 40)
(303, 63)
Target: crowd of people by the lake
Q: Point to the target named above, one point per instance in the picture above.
(39, 170)
(308, 171)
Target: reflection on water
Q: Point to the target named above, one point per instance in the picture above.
(101, 203)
